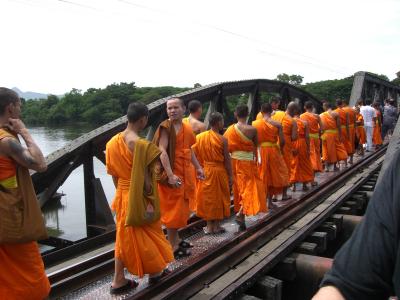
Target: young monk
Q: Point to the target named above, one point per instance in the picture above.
(333, 149)
(289, 126)
(302, 170)
(175, 140)
(195, 110)
(22, 274)
(350, 146)
(344, 126)
(376, 134)
(315, 127)
(272, 168)
(360, 131)
(279, 114)
(142, 249)
(248, 189)
(213, 193)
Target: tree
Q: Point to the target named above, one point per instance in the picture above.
(291, 79)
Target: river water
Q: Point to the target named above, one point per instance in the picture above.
(66, 218)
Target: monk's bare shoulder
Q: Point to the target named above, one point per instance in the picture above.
(274, 123)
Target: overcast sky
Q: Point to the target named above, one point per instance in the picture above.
(52, 46)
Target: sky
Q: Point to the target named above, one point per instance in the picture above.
(52, 46)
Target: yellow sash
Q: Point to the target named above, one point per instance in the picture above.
(9, 183)
(314, 135)
(269, 144)
(243, 155)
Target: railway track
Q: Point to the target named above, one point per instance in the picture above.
(232, 264)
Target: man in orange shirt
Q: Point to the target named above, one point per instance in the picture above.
(272, 168)
(213, 193)
(248, 189)
(22, 274)
(333, 149)
(175, 140)
(344, 125)
(142, 248)
(315, 126)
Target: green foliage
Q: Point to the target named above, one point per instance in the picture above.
(291, 79)
(95, 106)
(330, 89)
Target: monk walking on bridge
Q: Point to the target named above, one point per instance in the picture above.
(350, 145)
(195, 110)
(333, 149)
(344, 127)
(272, 167)
(22, 274)
(248, 189)
(176, 181)
(140, 244)
(213, 193)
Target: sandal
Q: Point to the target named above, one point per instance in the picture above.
(185, 244)
(181, 252)
(155, 279)
(131, 284)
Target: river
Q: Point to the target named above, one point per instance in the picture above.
(66, 218)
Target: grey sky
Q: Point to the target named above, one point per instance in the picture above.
(52, 45)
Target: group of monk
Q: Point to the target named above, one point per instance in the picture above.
(197, 171)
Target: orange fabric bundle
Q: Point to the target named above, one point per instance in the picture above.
(315, 144)
(213, 195)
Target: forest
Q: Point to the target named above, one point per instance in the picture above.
(99, 106)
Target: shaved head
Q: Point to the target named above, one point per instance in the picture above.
(292, 108)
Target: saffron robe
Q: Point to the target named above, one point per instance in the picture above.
(377, 133)
(360, 132)
(343, 119)
(142, 249)
(192, 201)
(278, 115)
(350, 145)
(248, 189)
(332, 149)
(259, 116)
(22, 274)
(287, 125)
(213, 195)
(272, 168)
(315, 144)
(174, 202)
(302, 170)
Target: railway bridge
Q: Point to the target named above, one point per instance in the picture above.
(288, 245)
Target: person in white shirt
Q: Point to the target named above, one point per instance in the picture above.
(369, 115)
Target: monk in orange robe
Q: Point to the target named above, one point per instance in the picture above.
(275, 102)
(195, 111)
(350, 146)
(213, 193)
(290, 134)
(272, 168)
(377, 132)
(333, 149)
(345, 122)
(360, 131)
(175, 140)
(248, 189)
(302, 170)
(22, 274)
(315, 127)
(143, 248)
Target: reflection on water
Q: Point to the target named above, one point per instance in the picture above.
(65, 217)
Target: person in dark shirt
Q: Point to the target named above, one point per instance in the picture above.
(368, 265)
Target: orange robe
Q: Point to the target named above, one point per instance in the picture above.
(315, 144)
(192, 201)
(360, 132)
(248, 189)
(350, 146)
(342, 115)
(174, 202)
(142, 249)
(332, 149)
(287, 125)
(259, 116)
(22, 274)
(278, 115)
(272, 168)
(302, 170)
(377, 133)
(213, 195)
